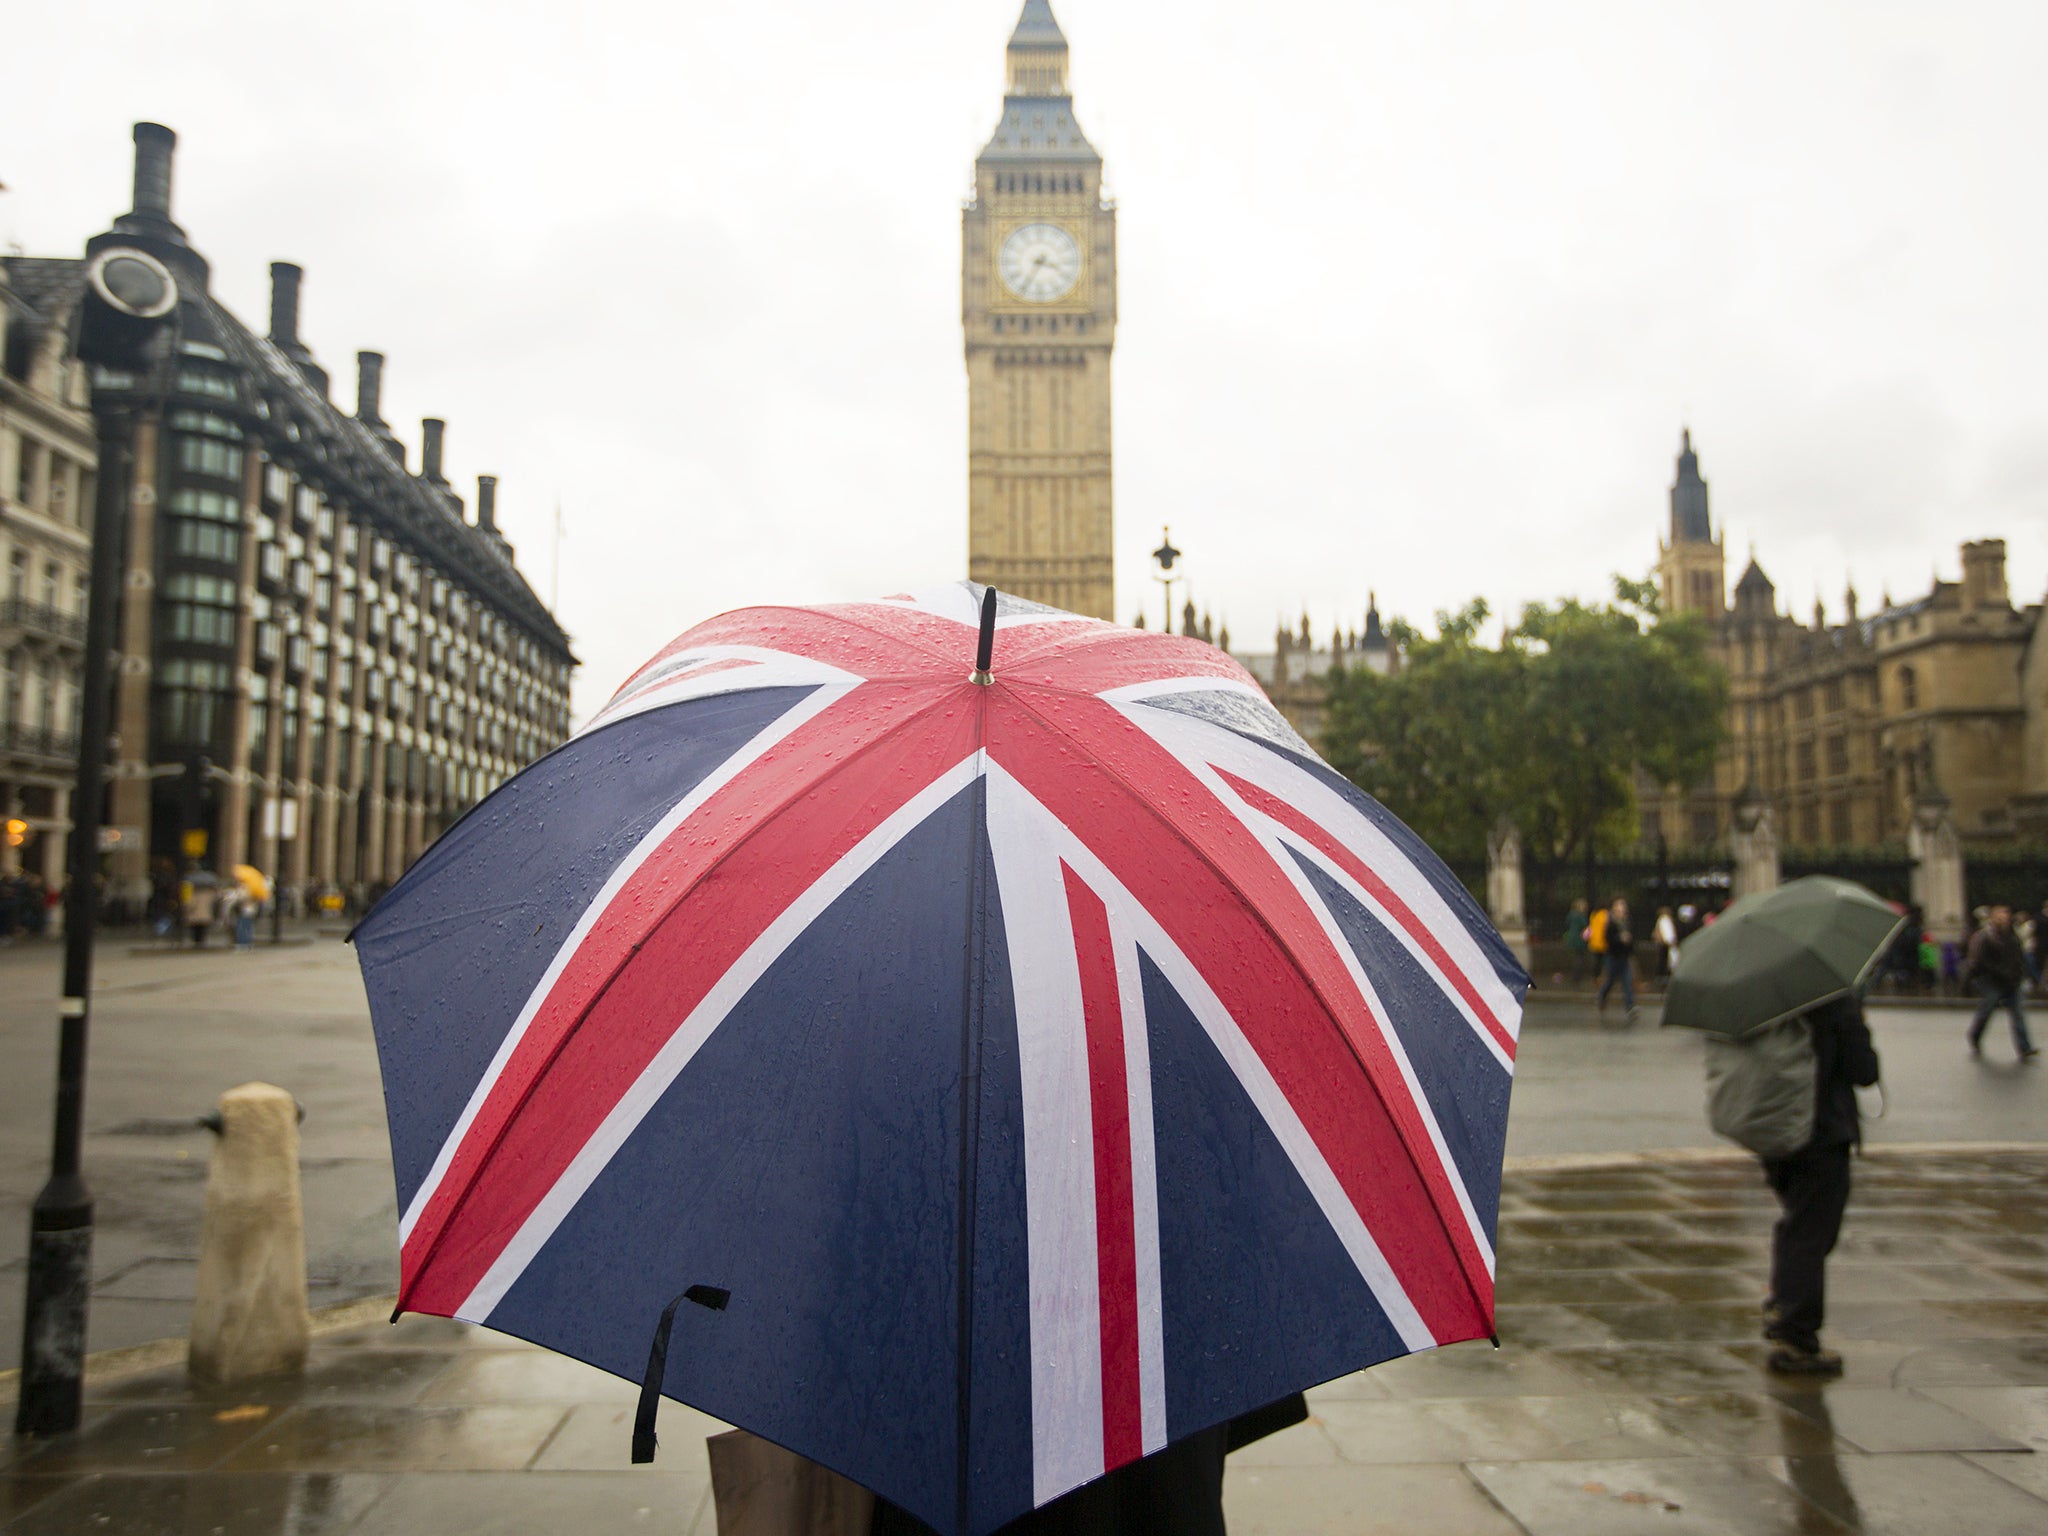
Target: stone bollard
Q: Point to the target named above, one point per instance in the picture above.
(249, 1314)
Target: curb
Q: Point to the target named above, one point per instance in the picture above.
(133, 1359)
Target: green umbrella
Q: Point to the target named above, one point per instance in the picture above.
(1779, 953)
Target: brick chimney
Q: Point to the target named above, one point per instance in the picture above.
(432, 429)
(1984, 575)
(154, 146)
(369, 387)
(285, 278)
(487, 503)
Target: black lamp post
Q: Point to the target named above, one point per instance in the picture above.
(125, 320)
(1163, 559)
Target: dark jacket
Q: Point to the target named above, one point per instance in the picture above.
(1995, 956)
(1621, 939)
(1843, 1061)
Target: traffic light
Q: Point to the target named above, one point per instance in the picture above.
(17, 831)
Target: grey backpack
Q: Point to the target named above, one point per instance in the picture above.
(1760, 1089)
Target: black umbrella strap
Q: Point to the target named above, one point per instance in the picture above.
(657, 1366)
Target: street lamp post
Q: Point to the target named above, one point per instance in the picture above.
(125, 317)
(1163, 559)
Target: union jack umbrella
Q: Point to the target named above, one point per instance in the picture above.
(1032, 1068)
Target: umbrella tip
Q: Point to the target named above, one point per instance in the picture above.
(985, 651)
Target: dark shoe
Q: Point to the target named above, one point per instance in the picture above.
(1791, 1360)
(2030, 1053)
(1773, 1316)
(1976, 1046)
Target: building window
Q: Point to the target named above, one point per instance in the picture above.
(199, 609)
(191, 700)
(1909, 689)
(208, 504)
(1838, 822)
(209, 456)
(271, 562)
(1804, 757)
(1838, 755)
(205, 541)
(25, 477)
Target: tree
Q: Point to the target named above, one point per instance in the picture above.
(1549, 726)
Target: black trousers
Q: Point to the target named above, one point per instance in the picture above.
(1812, 1187)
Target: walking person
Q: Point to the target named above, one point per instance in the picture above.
(1812, 1186)
(1575, 940)
(1996, 966)
(1667, 942)
(1618, 944)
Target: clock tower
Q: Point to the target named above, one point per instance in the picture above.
(1038, 301)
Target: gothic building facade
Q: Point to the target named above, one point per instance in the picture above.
(1038, 305)
(1845, 727)
(323, 658)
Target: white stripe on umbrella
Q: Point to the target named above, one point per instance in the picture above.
(1059, 1144)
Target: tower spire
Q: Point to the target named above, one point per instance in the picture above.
(1038, 53)
(1689, 521)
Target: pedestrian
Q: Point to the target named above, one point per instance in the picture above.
(1575, 922)
(245, 919)
(1618, 943)
(1667, 942)
(2040, 946)
(1996, 968)
(199, 908)
(1812, 1186)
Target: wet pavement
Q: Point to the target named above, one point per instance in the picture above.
(1628, 1395)
(173, 1030)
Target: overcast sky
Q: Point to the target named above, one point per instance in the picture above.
(1414, 297)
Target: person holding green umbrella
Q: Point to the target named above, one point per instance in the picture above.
(1777, 984)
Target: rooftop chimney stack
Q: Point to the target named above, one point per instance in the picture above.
(431, 431)
(154, 144)
(487, 503)
(369, 387)
(284, 302)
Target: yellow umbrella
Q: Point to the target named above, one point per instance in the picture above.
(253, 881)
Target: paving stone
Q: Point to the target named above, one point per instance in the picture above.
(19, 1494)
(2021, 1412)
(1684, 1370)
(1302, 1445)
(598, 1437)
(1702, 1497)
(533, 1376)
(1520, 1288)
(538, 1504)
(1533, 1255)
(157, 1438)
(1748, 1424)
(1549, 1327)
(1504, 1428)
(1359, 1501)
(1359, 1386)
(1474, 1370)
(1873, 1419)
(2025, 1470)
(349, 1437)
(256, 1505)
(1914, 1495)
(1700, 1285)
(1705, 1322)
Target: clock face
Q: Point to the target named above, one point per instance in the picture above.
(1040, 262)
